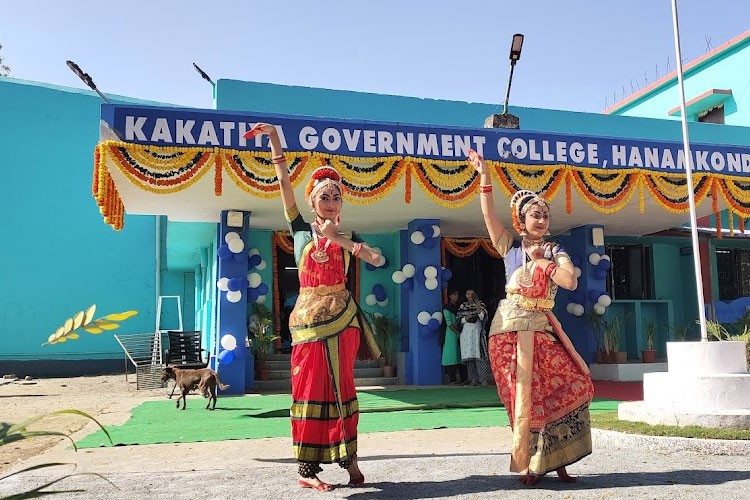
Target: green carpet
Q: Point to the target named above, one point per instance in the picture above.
(254, 417)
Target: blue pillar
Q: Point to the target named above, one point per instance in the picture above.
(424, 347)
(231, 318)
(579, 246)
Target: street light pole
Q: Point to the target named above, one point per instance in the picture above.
(86, 79)
(506, 120)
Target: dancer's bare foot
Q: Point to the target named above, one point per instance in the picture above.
(314, 483)
(529, 479)
(564, 476)
(356, 478)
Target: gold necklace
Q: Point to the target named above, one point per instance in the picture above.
(525, 278)
(319, 254)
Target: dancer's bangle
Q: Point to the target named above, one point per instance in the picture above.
(485, 189)
(550, 270)
(278, 159)
(357, 248)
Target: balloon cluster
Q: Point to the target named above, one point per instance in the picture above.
(405, 277)
(429, 324)
(232, 247)
(228, 345)
(256, 290)
(601, 264)
(599, 298)
(427, 235)
(378, 296)
(383, 261)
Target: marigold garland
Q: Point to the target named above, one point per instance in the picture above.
(164, 170)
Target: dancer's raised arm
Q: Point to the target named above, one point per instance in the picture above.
(279, 163)
(491, 220)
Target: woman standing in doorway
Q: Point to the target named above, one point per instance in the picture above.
(328, 330)
(473, 317)
(543, 382)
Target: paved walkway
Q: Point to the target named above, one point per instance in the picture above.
(440, 463)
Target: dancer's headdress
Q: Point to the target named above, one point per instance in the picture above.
(325, 176)
(520, 203)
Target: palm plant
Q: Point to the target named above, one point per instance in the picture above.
(12, 433)
(649, 334)
(387, 331)
(260, 333)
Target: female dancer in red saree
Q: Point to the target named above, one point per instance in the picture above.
(543, 382)
(328, 331)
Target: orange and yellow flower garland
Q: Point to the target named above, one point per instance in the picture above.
(163, 170)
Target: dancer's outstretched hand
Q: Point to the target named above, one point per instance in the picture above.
(260, 129)
(476, 161)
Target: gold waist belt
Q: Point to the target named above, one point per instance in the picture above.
(531, 304)
(322, 289)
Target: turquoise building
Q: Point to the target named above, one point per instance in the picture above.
(613, 182)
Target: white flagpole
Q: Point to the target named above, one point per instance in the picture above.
(689, 176)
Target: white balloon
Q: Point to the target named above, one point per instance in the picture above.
(398, 277)
(569, 308)
(231, 236)
(383, 302)
(604, 300)
(579, 310)
(430, 283)
(409, 270)
(438, 316)
(577, 271)
(234, 297)
(254, 280)
(261, 299)
(594, 258)
(604, 257)
(223, 284)
(599, 309)
(423, 318)
(430, 272)
(236, 246)
(370, 300)
(435, 230)
(253, 251)
(261, 266)
(417, 237)
(228, 342)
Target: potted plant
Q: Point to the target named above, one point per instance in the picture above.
(261, 336)
(597, 325)
(648, 354)
(612, 340)
(387, 330)
(680, 332)
(738, 332)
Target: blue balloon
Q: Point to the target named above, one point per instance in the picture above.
(226, 357)
(369, 267)
(594, 295)
(600, 274)
(224, 253)
(425, 332)
(239, 257)
(252, 294)
(253, 261)
(262, 289)
(430, 242)
(235, 284)
(604, 264)
(408, 284)
(446, 275)
(378, 289)
(380, 297)
(433, 324)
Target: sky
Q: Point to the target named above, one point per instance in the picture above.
(578, 55)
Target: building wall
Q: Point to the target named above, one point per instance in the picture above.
(717, 73)
(57, 256)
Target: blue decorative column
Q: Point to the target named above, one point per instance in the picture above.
(573, 308)
(424, 301)
(231, 303)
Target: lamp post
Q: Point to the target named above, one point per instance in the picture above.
(203, 74)
(85, 78)
(506, 120)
